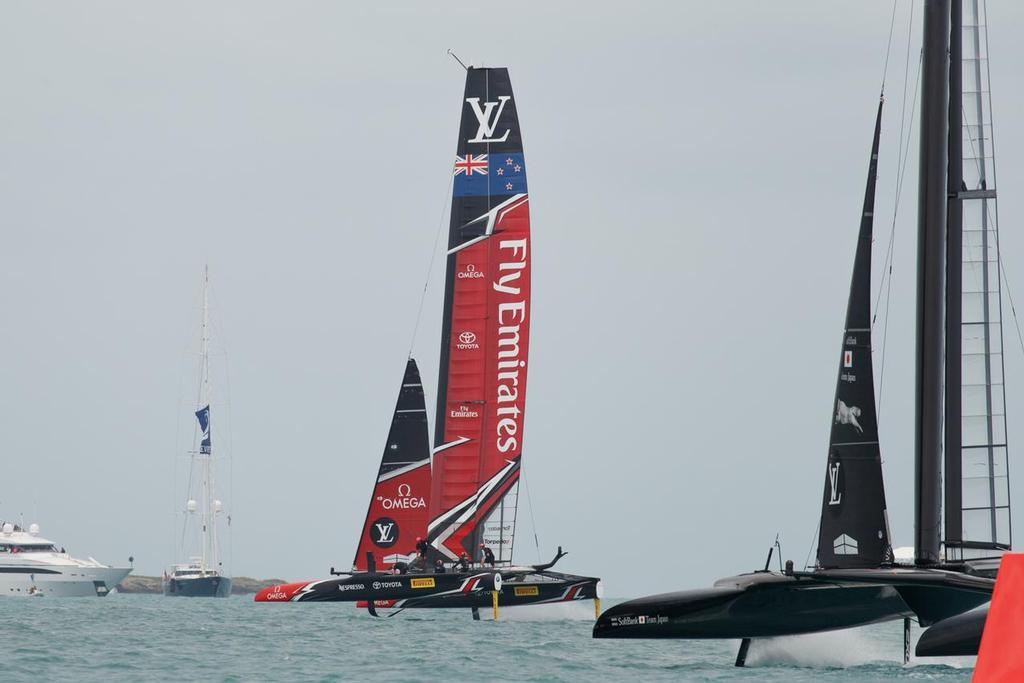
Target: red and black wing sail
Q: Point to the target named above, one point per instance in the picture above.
(398, 511)
(481, 397)
(854, 528)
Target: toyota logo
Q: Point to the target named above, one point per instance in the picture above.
(467, 337)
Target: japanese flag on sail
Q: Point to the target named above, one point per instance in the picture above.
(848, 359)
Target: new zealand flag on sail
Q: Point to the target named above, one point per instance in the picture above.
(489, 174)
(203, 415)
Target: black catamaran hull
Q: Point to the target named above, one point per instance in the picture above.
(766, 604)
(956, 636)
(550, 588)
(439, 590)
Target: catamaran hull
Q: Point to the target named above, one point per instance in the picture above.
(956, 636)
(364, 586)
(764, 611)
(512, 594)
(438, 590)
(766, 604)
(202, 587)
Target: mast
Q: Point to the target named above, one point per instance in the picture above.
(932, 200)
(954, 279)
(977, 480)
(207, 530)
(481, 394)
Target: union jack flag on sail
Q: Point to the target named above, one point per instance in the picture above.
(470, 164)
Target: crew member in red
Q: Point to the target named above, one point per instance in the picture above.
(486, 556)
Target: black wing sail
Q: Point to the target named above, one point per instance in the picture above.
(854, 528)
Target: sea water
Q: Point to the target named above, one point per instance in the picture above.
(148, 637)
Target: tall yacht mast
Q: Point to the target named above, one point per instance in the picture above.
(202, 575)
(208, 503)
(931, 267)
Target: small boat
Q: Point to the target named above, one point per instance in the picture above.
(202, 576)
(31, 566)
(441, 524)
(856, 579)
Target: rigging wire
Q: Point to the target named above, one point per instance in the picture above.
(899, 184)
(1009, 296)
(192, 459)
(179, 550)
(810, 547)
(229, 430)
(529, 502)
(903, 155)
(888, 45)
(430, 266)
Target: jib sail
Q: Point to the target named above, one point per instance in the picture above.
(854, 528)
(398, 509)
(481, 396)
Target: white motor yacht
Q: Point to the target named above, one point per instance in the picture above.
(33, 566)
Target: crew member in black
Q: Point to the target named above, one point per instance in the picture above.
(486, 555)
(463, 564)
(422, 547)
(418, 565)
(439, 566)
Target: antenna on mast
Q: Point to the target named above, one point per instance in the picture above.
(456, 58)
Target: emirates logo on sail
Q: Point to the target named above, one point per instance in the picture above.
(511, 318)
(463, 411)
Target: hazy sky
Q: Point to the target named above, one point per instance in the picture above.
(696, 175)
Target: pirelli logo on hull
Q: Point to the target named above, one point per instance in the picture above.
(527, 590)
(423, 583)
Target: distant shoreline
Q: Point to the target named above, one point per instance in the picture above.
(240, 585)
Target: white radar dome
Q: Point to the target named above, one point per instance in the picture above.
(191, 506)
(33, 529)
(217, 506)
(8, 528)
